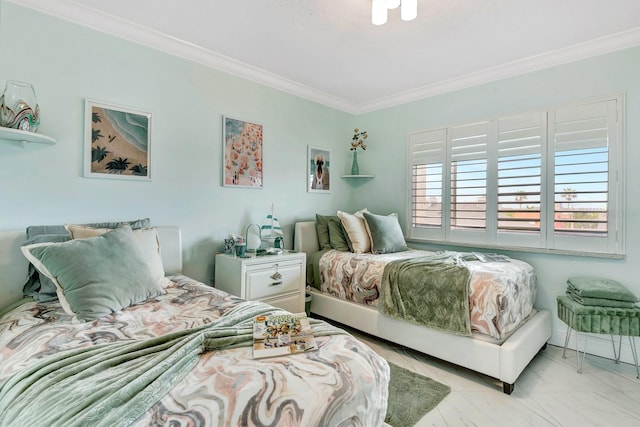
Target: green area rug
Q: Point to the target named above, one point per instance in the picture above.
(411, 396)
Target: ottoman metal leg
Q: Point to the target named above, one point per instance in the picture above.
(634, 351)
(580, 360)
(566, 342)
(617, 354)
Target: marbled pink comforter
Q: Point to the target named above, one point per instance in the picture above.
(343, 383)
(501, 294)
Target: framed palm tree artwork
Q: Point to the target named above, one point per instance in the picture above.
(117, 142)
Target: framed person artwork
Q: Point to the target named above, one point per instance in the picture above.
(318, 170)
(242, 153)
(117, 142)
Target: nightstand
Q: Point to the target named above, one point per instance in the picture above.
(278, 280)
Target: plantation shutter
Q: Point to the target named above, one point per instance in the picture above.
(519, 168)
(426, 156)
(582, 180)
(551, 179)
(468, 185)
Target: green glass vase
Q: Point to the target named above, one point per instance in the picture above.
(355, 169)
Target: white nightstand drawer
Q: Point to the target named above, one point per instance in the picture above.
(275, 280)
(254, 278)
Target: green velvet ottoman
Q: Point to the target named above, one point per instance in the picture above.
(600, 320)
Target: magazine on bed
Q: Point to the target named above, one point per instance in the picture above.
(282, 334)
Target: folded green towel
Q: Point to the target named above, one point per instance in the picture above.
(599, 302)
(595, 287)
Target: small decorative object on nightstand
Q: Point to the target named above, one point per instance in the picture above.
(278, 280)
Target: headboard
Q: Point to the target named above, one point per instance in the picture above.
(305, 237)
(13, 264)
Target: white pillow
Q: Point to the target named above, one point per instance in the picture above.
(147, 239)
(355, 226)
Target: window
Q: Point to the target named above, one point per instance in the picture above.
(547, 179)
(427, 152)
(468, 188)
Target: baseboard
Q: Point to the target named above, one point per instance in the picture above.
(598, 345)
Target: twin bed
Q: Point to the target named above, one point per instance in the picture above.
(499, 336)
(181, 356)
(88, 347)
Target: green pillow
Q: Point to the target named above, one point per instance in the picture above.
(98, 275)
(386, 234)
(322, 229)
(337, 236)
(40, 287)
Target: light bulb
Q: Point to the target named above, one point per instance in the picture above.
(409, 10)
(378, 12)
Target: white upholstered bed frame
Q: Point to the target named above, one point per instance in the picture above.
(504, 362)
(13, 264)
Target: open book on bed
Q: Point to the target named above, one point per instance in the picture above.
(282, 334)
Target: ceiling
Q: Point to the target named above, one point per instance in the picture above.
(328, 50)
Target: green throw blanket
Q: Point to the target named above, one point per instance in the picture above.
(113, 384)
(594, 291)
(432, 291)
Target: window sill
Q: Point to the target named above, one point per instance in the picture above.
(518, 249)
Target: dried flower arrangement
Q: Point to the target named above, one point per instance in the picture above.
(358, 139)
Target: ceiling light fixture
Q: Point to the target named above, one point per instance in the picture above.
(379, 8)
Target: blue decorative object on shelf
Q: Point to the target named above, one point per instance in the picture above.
(355, 169)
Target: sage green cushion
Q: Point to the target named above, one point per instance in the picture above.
(98, 275)
(337, 235)
(599, 320)
(41, 288)
(597, 287)
(322, 229)
(386, 234)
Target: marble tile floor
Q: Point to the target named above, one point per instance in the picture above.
(548, 393)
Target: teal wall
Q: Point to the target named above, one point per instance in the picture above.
(610, 74)
(68, 63)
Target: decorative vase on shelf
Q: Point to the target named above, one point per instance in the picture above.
(19, 107)
(355, 169)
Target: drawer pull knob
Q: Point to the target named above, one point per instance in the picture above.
(277, 283)
(276, 276)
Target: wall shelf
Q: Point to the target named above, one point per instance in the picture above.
(7, 134)
(363, 177)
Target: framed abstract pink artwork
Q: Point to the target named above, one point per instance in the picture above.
(242, 153)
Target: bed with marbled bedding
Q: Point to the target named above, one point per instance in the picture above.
(342, 383)
(501, 294)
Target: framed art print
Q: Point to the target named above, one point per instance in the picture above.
(318, 170)
(117, 142)
(242, 153)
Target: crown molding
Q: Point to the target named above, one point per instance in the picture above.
(76, 13)
(611, 43)
(85, 16)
